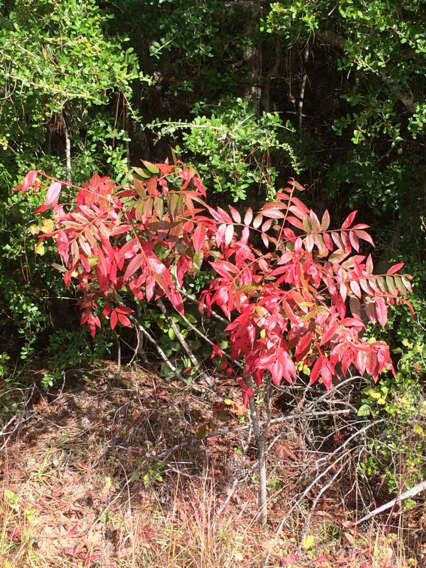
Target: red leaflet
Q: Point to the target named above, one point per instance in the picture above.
(354, 239)
(133, 266)
(273, 214)
(52, 197)
(41, 209)
(245, 236)
(273, 205)
(198, 237)
(349, 219)
(315, 372)
(248, 217)
(257, 221)
(247, 391)
(113, 319)
(224, 268)
(303, 346)
(325, 221)
(124, 310)
(301, 214)
(29, 180)
(300, 205)
(53, 193)
(355, 288)
(107, 310)
(216, 351)
(63, 245)
(381, 311)
(229, 233)
(120, 230)
(235, 214)
(199, 186)
(295, 222)
(223, 215)
(364, 236)
(124, 320)
(395, 268)
(329, 333)
(265, 239)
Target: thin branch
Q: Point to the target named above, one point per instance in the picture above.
(406, 495)
(304, 494)
(158, 348)
(195, 301)
(67, 149)
(277, 420)
(207, 339)
(209, 380)
(231, 491)
(317, 498)
(316, 480)
(136, 350)
(302, 89)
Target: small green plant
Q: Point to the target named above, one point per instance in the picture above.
(69, 349)
(153, 474)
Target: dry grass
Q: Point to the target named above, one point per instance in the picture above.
(109, 474)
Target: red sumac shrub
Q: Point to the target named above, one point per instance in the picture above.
(294, 289)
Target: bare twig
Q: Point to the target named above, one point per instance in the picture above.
(317, 498)
(195, 301)
(302, 88)
(67, 149)
(277, 420)
(136, 350)
(320, 476)
(207, 339)
(141, 328)
(406, 495)
(209, 380)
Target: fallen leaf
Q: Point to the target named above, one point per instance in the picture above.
(69, 550)
(283, 451)
(82, 465)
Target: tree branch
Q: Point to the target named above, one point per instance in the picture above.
(406, 495)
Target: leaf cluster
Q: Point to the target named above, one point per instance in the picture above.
(298, 298)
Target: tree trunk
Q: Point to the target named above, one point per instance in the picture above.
(253, 57)
(261, 457)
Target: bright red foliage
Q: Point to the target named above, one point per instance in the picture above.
(295, 291)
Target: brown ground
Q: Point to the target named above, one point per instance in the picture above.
(117, 471)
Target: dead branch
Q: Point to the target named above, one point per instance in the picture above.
(209, 380)
(317, 498)
(158, 348)
(320, 476)
(406, 495)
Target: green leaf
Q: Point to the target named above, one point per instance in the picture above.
(150, 167)
(364, 410)
(141, 174)
(10, 495)
(197, 261)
